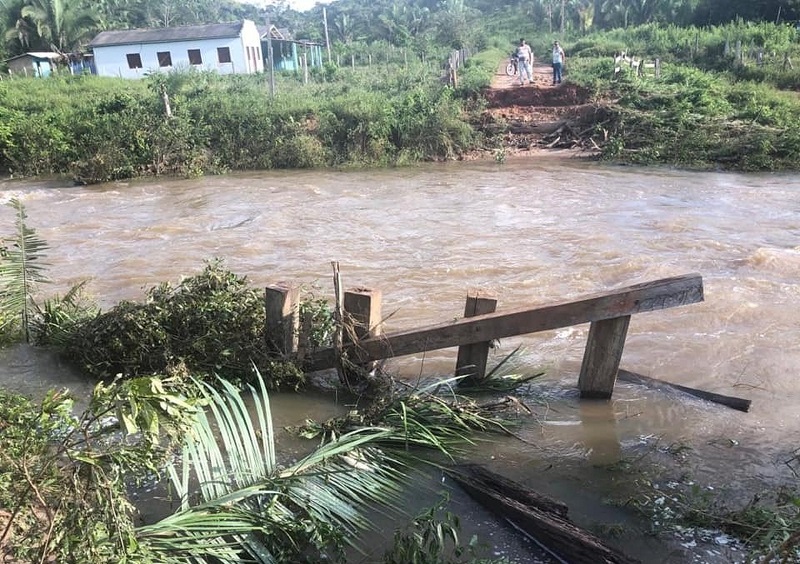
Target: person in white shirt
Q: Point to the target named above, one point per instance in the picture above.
(524, 61)
(558, 62)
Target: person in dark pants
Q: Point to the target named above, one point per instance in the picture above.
(558, 62)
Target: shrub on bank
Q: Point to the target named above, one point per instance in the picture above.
(108, 129)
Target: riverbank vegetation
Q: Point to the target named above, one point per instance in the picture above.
(96, 129)
(710, 107)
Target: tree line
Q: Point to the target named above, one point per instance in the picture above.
(66, 26)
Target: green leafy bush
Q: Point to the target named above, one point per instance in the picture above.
(211, 323)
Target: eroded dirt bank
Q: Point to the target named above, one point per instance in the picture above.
(525, 119)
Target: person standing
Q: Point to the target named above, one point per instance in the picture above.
(558, 62)
(525, 61)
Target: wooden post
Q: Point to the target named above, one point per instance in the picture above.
(362, 312)
(362, 308)
(472, 359)
(602, 356)
(165, 100)
(282, 318)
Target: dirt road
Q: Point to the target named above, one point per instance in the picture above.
(538, 115)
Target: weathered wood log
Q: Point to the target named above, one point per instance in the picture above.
(480, 476)
(733, 402)
(543, 521)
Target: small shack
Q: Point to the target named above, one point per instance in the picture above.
(289, 52)
(34, 63)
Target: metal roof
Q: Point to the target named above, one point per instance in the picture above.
(166, 34)
(38, 55)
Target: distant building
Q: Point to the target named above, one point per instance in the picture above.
(232, 48)
(35, 63)
(287, 51)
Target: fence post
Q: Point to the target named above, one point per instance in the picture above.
(472, 358)
(362, 308)
(282, 318)
(362, 317)
(602, 356)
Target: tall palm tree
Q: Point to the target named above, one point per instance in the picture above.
(16, 31)
(62, 25)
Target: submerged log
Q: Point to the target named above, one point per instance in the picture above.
(541, 517)
(733, 402)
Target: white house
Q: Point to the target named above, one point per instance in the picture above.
(226, 48)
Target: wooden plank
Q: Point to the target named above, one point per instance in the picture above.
(733, 402)
(282, 318)
(552, 529)
(639, 298)
(472, 358)
(602, 356)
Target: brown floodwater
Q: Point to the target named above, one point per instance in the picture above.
(532, 232)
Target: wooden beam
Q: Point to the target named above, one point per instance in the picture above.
(602, 356)
(739, 404)
(639, 298)
(472, 359)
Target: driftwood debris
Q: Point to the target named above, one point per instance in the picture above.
(739, 404)
(543, 518)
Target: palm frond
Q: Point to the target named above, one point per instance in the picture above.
(21, 268)
(270, 514)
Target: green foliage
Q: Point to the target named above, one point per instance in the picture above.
(213, 323)
(431, 538)
(98, 129)
(58, 317)
(64, 477)
(21, 270)
(693, 116)
(318, 320)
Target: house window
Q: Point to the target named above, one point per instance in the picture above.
(164, 59)
(224, 54)
(195, 58)
(134, 60)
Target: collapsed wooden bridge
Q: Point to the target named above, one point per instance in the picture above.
(609, 314)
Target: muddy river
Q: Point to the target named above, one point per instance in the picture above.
(530, 231)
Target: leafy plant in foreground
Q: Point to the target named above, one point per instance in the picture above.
(21, 269)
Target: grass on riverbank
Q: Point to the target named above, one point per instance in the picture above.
(695, 114)
(98, 129)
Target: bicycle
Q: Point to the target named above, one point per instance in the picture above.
(512, 67)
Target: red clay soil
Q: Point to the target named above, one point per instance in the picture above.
(540, 115)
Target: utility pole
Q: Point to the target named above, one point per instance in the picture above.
(327, 39)
(269, 56)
